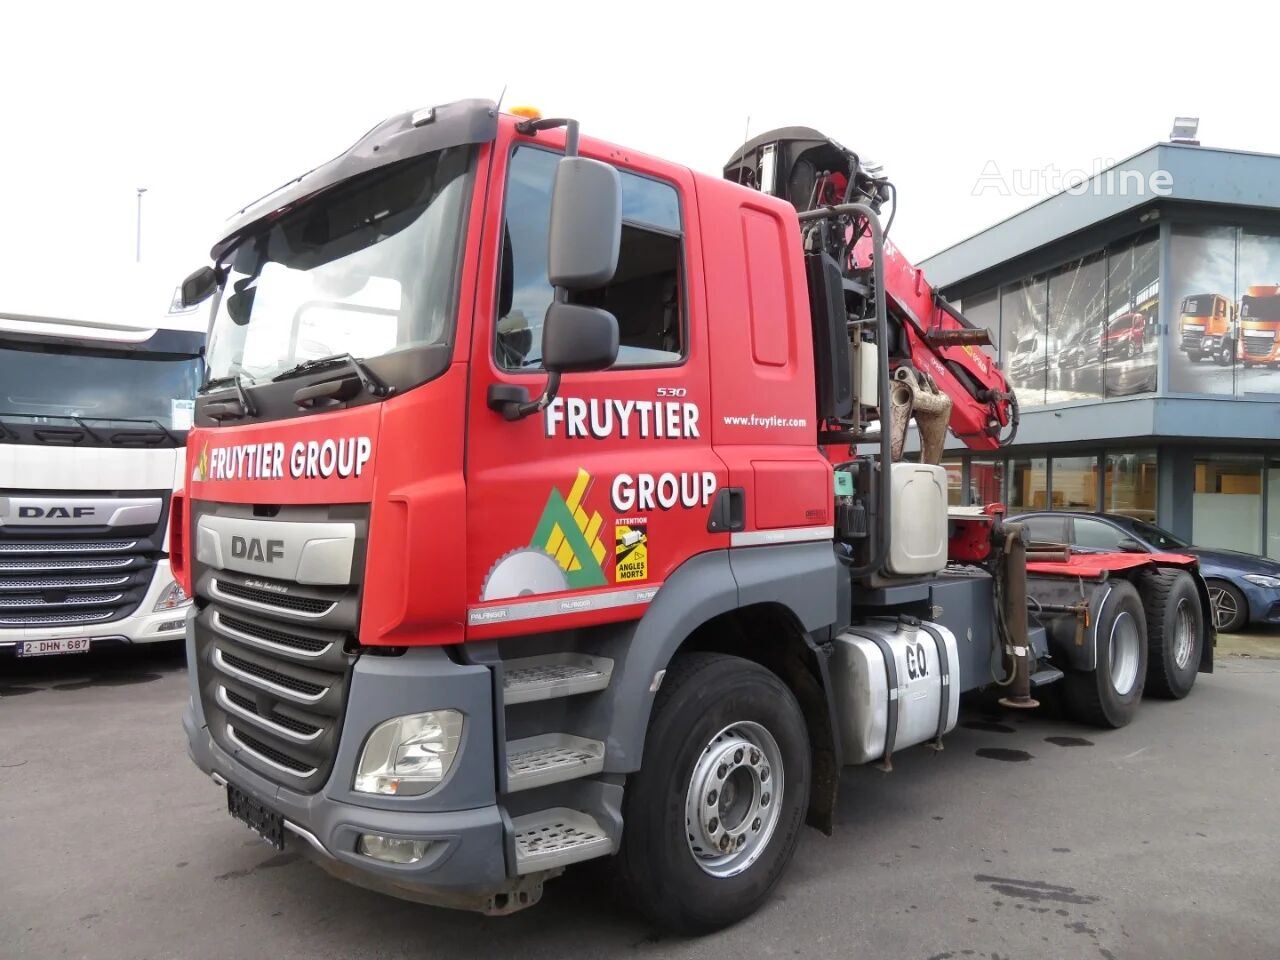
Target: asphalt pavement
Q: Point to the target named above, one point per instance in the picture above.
(1027, 837)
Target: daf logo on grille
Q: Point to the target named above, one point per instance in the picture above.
(253, 548)
(54, 513)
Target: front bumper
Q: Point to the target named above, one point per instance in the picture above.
(466, 865)
(143, 626)
(1264, 602)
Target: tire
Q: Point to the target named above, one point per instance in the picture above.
(1175, 632)
(1108, 696)
(1223, 357)
(1230, 608)
(708, 704)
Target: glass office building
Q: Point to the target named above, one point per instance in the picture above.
(1138, 318)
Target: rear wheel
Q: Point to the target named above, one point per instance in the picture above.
(712, 818)
(1175, 632)
(1230, 609)
(1108, 695)
(1224, 355)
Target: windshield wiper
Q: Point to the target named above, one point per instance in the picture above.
(368, 379)
(221, 411)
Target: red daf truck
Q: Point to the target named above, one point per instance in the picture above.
(548, 501)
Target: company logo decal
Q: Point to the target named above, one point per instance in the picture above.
(306, 460)
(200, 473)
(564, 553)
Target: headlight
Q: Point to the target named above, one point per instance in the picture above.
(172, 598)
(1262, 581)
(409, 755)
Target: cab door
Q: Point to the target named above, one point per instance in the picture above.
(578, 513)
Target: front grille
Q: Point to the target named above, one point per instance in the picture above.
(47, 581)
(1192, 341)
(269, 598)
(269, 635)
(272, 656)
(1258, 346)
(273, 677)
(269, 753)
(249, 706)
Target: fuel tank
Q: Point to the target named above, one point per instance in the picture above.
(896, 683)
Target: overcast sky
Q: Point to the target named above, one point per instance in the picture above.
(209, 106)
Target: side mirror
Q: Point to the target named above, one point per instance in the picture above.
(577, 338)
(585, 232)
(1129, 545)
(198, 287)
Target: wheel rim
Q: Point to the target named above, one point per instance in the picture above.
(1124, 653)
(1224, 607)
(734, 799)
(1184, 634)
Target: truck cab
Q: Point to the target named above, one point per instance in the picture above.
(93, 427)
(1207, 325)
(1260, 325)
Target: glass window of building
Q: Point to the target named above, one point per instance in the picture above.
(1130, 484)
(986, 482)
(983, 310)
(1075, 484)
(1202, 285)
(1257, 273)
(1129, 337)
(1028, 485)
(1273, 510)
(1023, 339)
(1226, 508)
(955, 481)
(1077, 303)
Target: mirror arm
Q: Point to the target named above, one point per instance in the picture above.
(530, 128)
(518, 411)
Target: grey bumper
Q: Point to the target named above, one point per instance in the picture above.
(466, 862)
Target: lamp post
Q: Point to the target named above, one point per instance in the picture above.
(138, 255)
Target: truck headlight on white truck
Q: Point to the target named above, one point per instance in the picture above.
(172, 598)
(409, 755)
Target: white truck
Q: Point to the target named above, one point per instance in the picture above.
(93, 427)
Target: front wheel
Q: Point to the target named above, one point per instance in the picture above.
(1109, 694)
(713, 816)
(1230, 608)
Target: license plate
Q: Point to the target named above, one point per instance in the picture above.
(41, 648)
(268, 824)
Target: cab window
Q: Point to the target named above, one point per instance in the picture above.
(645, 294)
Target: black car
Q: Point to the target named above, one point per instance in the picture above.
(1243, 588)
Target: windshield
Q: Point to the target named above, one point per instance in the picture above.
(1026, 346)
(1200, 306)
(1260, 308)
(1158, 537)
(1124, 323)
(367, 268)
(40, 382)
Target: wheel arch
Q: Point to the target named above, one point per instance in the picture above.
(774, 606)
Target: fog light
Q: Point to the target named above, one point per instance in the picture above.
(391, 849)
(171, 625)
(409, 755)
